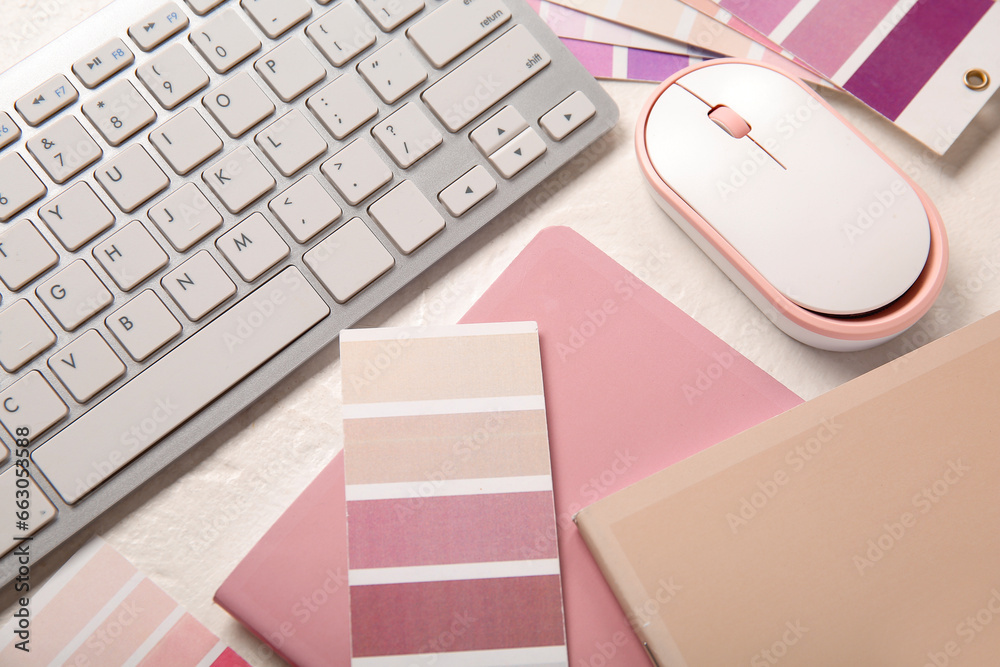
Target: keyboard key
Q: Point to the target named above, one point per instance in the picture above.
(139, 414)
(276, 17)
(357, 172)
(238, 179)
(130, 255)
(568, 115)
(390, 14)
(202, 7)
(405, 215)
(76, 216)
(498, 129)
(238, 104)
(47, 99)
(143, 325)
(305, 209)
(42, 509)
(132, 178)
(119, 112)
(392, 71)
(348, 260)
(23, 335)
(252, 247)
(86, 366)
(291, 143)
(455, 26)
(31, 403)
(342, 106)
(19, 186)
(290, 69)
(102, 63)
(470, 189)
(185, 141)
(521, 151)
(225, 41)
(64, 149)
(24, 255)
(172, 76)
(342, 33)
(185, 217)
(9, 131)
(198, 285)
(158, 27)
(407, 135)
(507, 62)
(74, 295)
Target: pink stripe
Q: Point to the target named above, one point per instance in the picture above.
(229, 658)
(451, 529)
(833, 30)
(446, 616)
(764, 15)
(596, 58)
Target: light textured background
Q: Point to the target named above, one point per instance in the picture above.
(189, 528)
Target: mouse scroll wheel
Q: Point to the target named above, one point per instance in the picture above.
(730, 121)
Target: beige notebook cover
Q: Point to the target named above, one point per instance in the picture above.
(859, 529)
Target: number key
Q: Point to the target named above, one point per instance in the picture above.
(64, 149)
(119, 112)
(225, 41)
(172, 76)
(9, 131)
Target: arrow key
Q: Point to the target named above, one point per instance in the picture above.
(518, 153)
(305, 209)
(470, 189)
(500, 128)
(568, 115)
(159, 26)
(44, 101)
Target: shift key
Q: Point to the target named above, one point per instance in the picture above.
(486, 78)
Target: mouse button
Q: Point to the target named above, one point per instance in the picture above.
(730, 121)
(689, 152)
(756, 93)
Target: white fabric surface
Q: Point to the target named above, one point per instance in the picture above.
(189, 528)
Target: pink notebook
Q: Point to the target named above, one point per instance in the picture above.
(632, 385)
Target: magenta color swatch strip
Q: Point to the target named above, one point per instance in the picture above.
(597, 58)
(833, 30)
(764, 15)
(505, 613)
(910, 55)
(451, 529)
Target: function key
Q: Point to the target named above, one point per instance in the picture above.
(102, 63)
(9, 131)
(275, 17)
(158, 27)
(55, 94)
(202, 7)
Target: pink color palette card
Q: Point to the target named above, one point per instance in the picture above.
(99, 611)
(449, 498)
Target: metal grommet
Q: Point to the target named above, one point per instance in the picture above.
(977, 79)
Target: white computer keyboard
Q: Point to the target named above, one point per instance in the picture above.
(197, 196)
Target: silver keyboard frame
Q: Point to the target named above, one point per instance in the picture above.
(431, 174)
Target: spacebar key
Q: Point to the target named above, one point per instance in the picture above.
(175, 388)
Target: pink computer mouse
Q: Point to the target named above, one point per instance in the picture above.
(831, 240)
